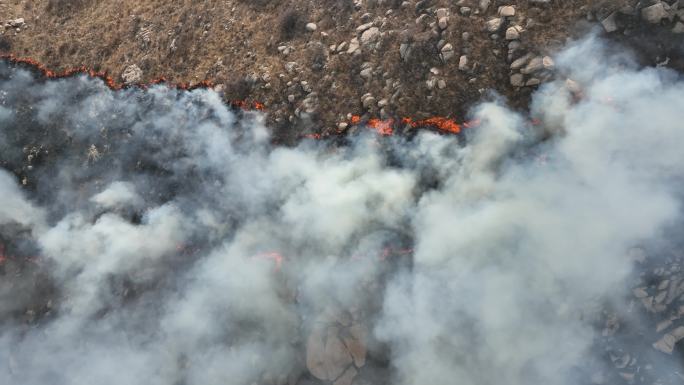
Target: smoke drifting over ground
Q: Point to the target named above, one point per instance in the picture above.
(178, 246)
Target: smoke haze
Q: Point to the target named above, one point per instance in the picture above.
(181, 247)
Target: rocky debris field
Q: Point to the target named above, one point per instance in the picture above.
(315, 64)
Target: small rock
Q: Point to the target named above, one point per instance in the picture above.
(368, 101)
(465, 11)
(443, 22)
(640, 292)
(654, 14)
(575, 88)
(667, 342)
(336, 354)
(517, 80)
(290, 66)
(442, 12)
(311, 27)
(369, 35)
(363, 27)
(383, 102)
(463, 63)
(447, 52)
(430, 83)
(494, 25)
(534, 65)
(663, 284)
(513, 33)
(353, 46)
(484, 5)
(132, 74)
(533, 82)
(421, 21)
(520, 62)
(548, 63)
(16, 23)
(609, 23)
(663, 325)
(366, 73)
(441, 84)
(342, 125)
(678, 333)
(507, 11)
(404, 50)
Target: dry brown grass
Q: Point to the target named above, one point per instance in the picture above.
(227, 40)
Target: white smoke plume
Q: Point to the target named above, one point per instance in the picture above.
(183, 248)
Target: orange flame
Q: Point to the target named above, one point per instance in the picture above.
(386, 127)
(106, 78)
(383, 127)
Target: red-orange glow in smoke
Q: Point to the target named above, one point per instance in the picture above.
(274, 256)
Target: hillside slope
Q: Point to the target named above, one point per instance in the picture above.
(320, 61)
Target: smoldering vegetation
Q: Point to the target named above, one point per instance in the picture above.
(156, 237)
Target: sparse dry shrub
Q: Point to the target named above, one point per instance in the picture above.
(238, 88)
(5, 44)
(291, 23)
(64, 8)
(339, 5)
(258, 3)
(319, 56)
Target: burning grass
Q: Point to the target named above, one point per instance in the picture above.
(384, 127)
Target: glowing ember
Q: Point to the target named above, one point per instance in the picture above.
(440, 123)
(383, 127)
(273, 256)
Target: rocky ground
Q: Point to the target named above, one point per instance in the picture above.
(314, 64)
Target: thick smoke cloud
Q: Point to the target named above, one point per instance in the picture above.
(184, 248)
